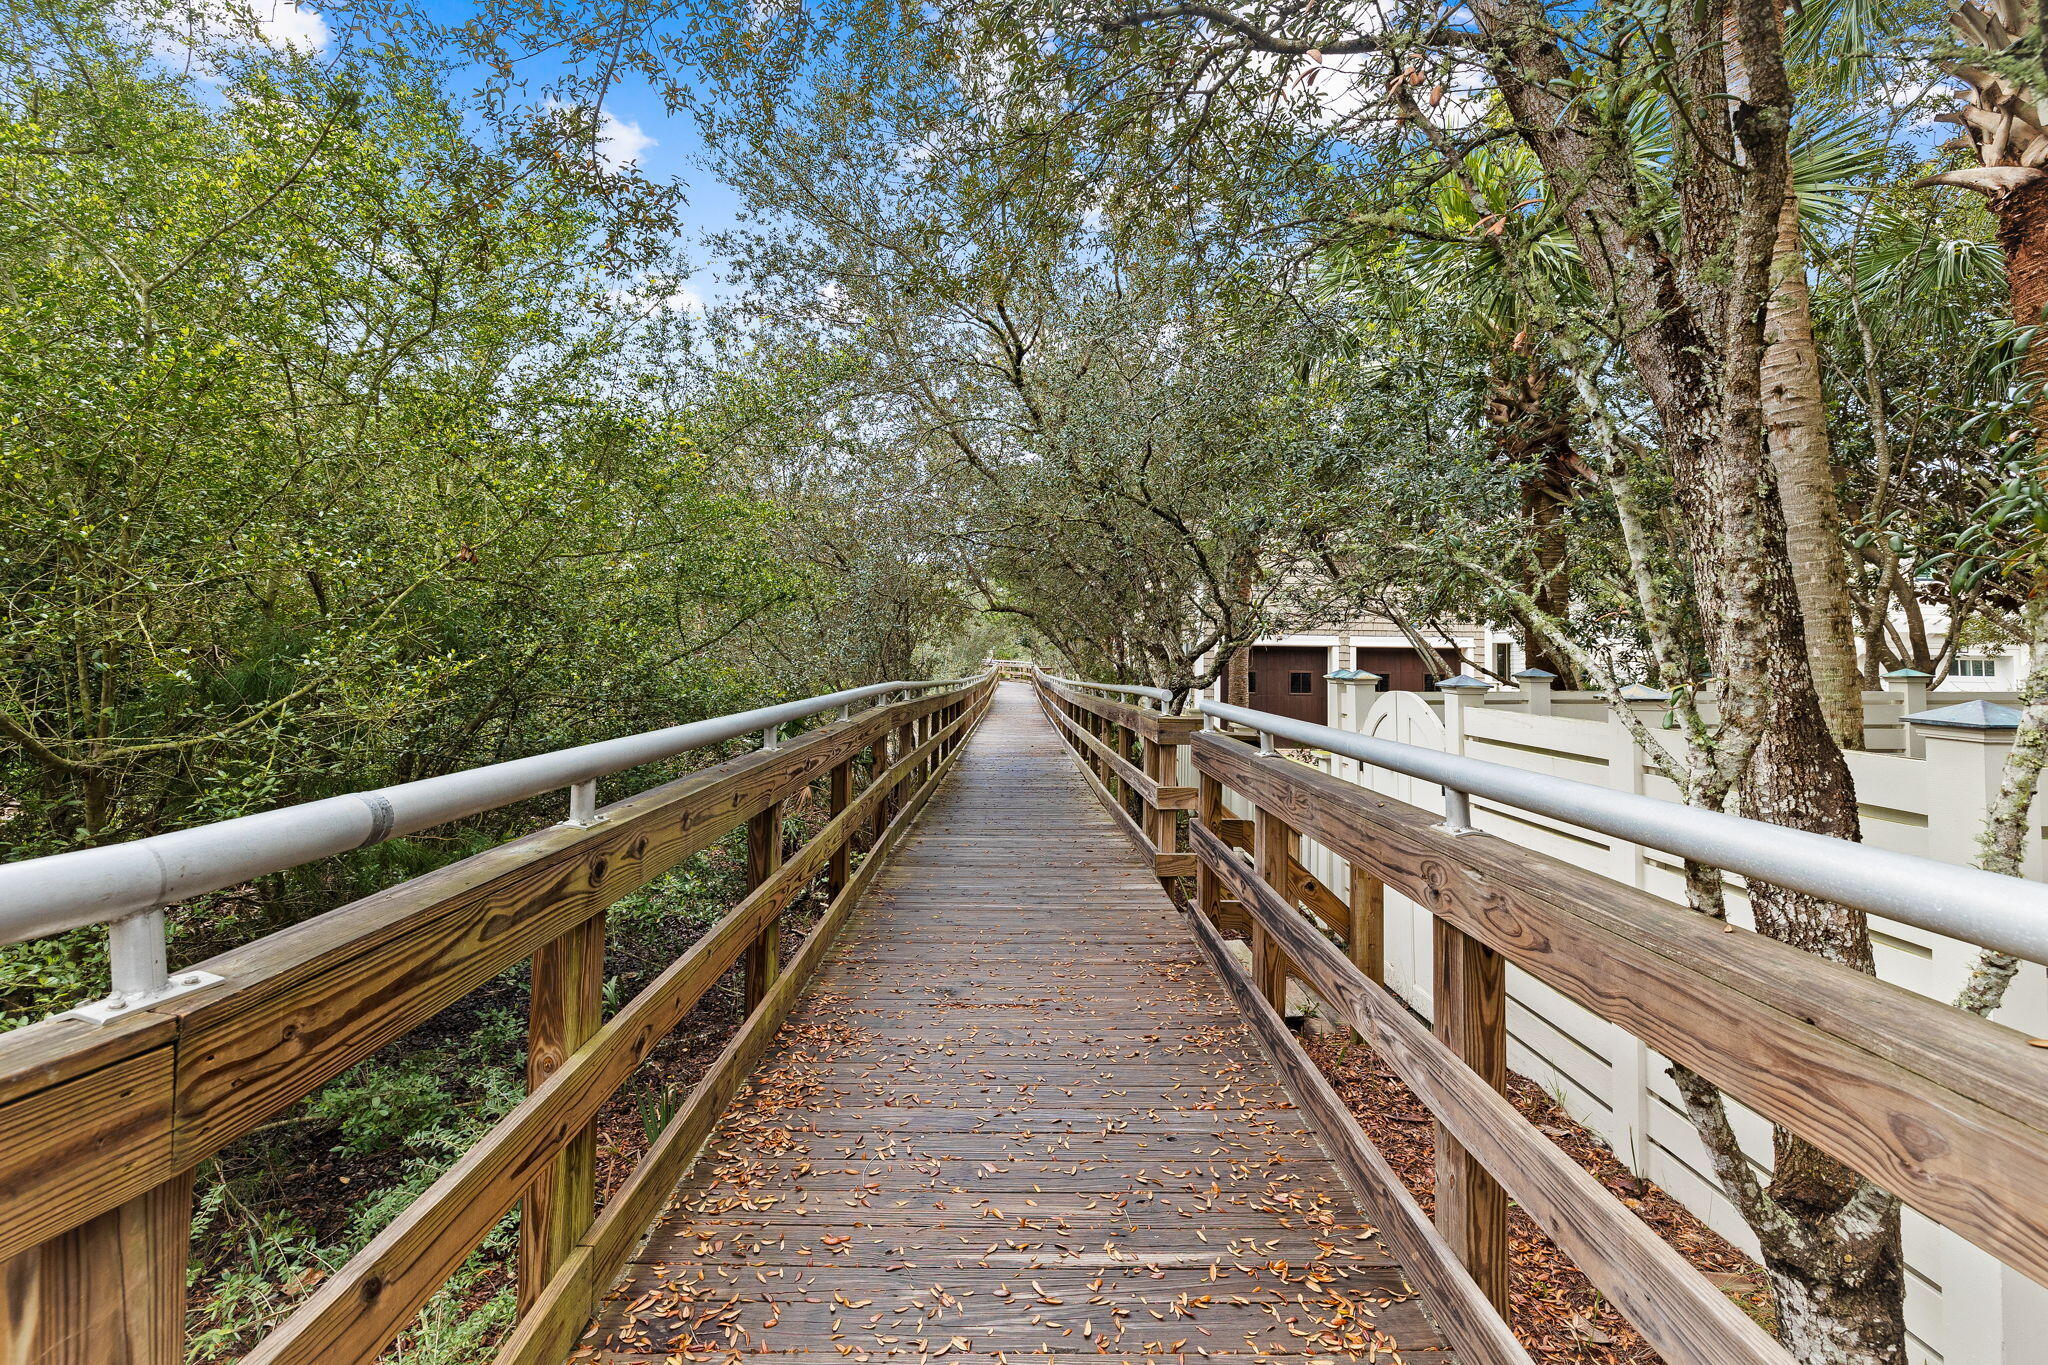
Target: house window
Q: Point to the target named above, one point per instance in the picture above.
(1301, 684)
(1503, 658)
(1974, 668)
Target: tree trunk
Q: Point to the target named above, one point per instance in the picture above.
(2023, 235)
(1796, 420)
(1837, 1270)
(1532, 432)
(1847, 1311)
(1548, 585)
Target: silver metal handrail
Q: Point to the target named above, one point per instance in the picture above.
(1158, 694)
(2007, 914)
(126, 886)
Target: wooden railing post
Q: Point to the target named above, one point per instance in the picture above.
(838, 796)
(1368, 937)
(1273, 843)
(1209, 811)
(565, 1008)
(1162, 826)
(764, 855)
(906, 740)
(1470, 1004)
(111, 1290)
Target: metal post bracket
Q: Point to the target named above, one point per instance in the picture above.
(120, 1006)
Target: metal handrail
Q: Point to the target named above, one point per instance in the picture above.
(1158, 694)
(2007, 914)
(126, 886)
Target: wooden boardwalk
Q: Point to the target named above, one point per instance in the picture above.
(1015, 1117)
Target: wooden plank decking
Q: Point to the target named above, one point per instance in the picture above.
(1016, 1116)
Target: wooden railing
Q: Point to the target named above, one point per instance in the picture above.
(102, 1126)
(1944, 1109)
(1131, 758)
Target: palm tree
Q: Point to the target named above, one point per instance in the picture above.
(1471, 240)
(2004, 119)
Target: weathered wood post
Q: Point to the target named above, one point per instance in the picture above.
(838, 796)
(1469, 1002)
(1367, 941)
(565, 1008)
(1209, 811)
(764, 855)
(111, 1289)
(1273, 847)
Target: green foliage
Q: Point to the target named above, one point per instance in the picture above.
(378, 1106)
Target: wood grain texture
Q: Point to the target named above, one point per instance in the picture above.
(1329, 907)
(1470, 1323)
(1947, 1111)
(109, 1292)
(764, 857)
(838, 793)
(1685, 1318)
(1160, 729)
(298, 1007)
(1368, 938)
(1128, 772)
(566, 1006)
(93, 1141)
(1469, 999)
(548, 1331)
(1013, 1079)
(1274, 844)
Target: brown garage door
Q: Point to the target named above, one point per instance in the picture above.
(1288, 681)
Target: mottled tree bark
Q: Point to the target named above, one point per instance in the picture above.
(1795, 416)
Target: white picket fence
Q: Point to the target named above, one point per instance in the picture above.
(1925, 797)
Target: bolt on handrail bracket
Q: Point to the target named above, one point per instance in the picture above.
(140, 959)
(583, 805)
(1457, 813)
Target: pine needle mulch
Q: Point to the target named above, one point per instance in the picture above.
(1557, 1313)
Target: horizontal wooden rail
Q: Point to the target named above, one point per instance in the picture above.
(360, 1308)
(1143, 800)
(1155, 795)
(1946, 1110)
(95, 1120)
(1151, 725)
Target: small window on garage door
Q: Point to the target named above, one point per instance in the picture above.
(1301, 684)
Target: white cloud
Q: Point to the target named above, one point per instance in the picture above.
(619, 143)
(207, 31)
(643, 300)
(285, 23)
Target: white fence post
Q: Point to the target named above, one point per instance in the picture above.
(1536, 684)
(1910, 686)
